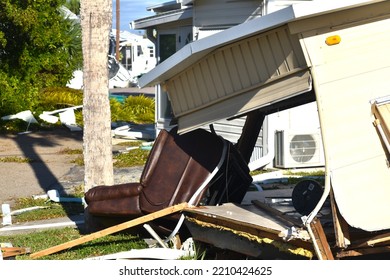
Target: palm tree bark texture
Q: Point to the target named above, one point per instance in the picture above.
(96, 20)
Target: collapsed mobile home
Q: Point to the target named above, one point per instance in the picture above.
(333, 54)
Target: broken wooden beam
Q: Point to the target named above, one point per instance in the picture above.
(320, 239)
(9, 252)
(138, 221)
(373, 241)
(363, 251)
(341, 227)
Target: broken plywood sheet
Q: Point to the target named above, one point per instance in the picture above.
(266, 196)
(244, 229)
(244, 214)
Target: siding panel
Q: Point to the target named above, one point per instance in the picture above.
(223, 13)
(241, 69)
(216, 76)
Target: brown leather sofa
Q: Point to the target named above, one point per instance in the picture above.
(178, 165)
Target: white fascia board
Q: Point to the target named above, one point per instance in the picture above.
(197, 49)
(162, 18)
(186, 2)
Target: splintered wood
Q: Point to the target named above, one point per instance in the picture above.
(8, 252)
(381, 112)
(324, 251)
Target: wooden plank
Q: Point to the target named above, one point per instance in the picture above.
(385, 237)
(239, 217)
(14, 251)
(320, 238)
(138, 221)
(382, 121)
(340, 225)
(363, 251)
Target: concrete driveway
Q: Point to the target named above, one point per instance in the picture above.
(50, 168)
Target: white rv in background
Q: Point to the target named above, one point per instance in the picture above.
(137, 54)
(137, 57)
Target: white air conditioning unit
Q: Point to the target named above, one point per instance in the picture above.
(294, 150)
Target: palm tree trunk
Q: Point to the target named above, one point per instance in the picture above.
(118, 28)
(96, 18)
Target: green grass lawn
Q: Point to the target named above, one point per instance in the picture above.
(38, 241)
(45, 239)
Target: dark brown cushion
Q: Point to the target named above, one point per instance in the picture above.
(124, 206)
(99, 193)
(177, 167)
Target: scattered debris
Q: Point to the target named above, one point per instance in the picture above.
(6, 213)
(10, 229)
(135, 131)
(155, 236)
(186, 250)
(53, 195)
(26, 116)
(381, 109)
(8, 251)
(110, 230)
(148, 253)
(66, 117)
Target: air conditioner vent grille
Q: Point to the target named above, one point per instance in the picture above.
(302, 148)
(294, 150)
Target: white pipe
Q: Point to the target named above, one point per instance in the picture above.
(54, 196)
(201, 188)
(155, 236)
(307, 220)
(20, 211)
(41, 226)
(6, 210)
(315, 245)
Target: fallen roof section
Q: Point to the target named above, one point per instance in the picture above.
(250, 66)
(197, 49)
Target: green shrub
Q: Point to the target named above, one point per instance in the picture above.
(136, 109)
(139, 109)
(59, 97)
(16, 95)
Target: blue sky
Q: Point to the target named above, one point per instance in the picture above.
(131, 10)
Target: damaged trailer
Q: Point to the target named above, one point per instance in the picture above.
(330, 52)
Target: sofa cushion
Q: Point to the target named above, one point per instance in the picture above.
(99, 193)
(183, 163)
(116, 207)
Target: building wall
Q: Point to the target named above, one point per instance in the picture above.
(224, 13)
(275, 5)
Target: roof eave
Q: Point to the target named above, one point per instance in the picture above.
(197, 49)
(162, 18)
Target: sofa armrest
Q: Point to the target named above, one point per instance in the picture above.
(101, 193)
(124, 206)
